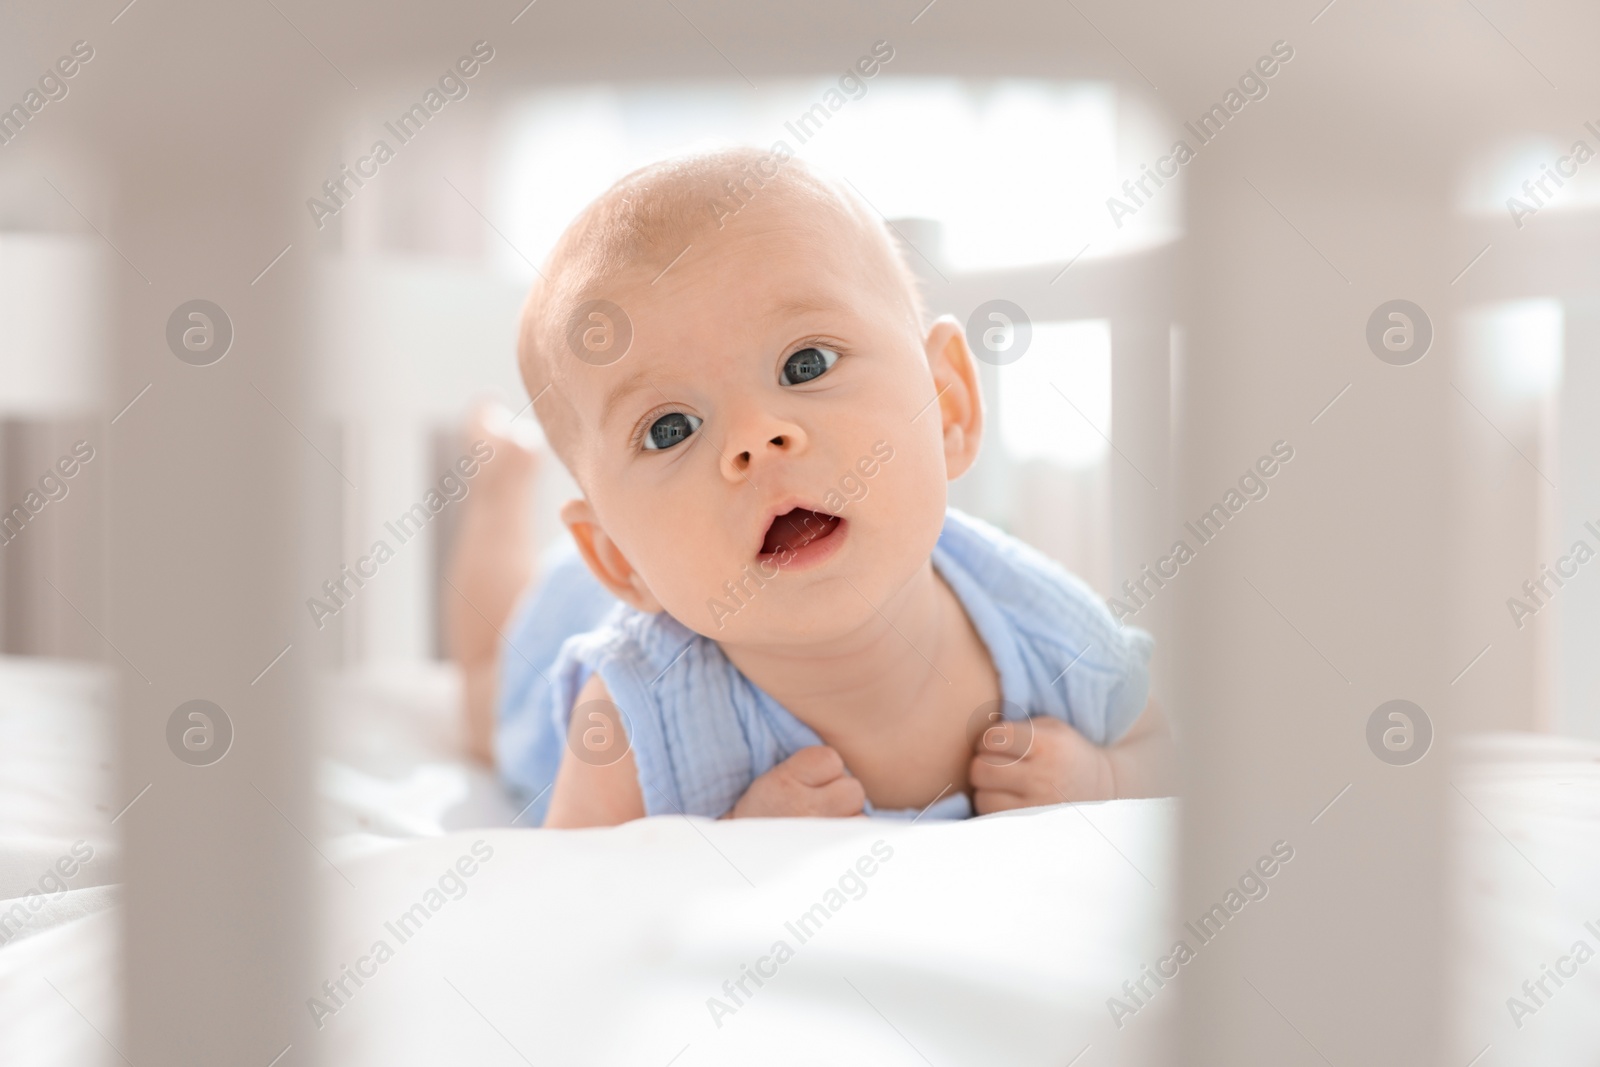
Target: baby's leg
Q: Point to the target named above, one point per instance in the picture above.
(491, 563)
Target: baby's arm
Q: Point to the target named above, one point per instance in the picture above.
(1143, 763)
(1059, 764)
(590, 791)
(593, 792)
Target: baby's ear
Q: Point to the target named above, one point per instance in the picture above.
(606, 561)
(955, 380)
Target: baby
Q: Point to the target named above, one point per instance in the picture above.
(776, 613)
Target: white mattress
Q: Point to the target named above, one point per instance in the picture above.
(996, 940)
(991, 941)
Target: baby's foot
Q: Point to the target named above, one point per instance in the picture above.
(491, 563)
(516, 456)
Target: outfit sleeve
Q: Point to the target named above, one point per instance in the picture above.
(529, 728)
(1129, 691)
(1098, 665)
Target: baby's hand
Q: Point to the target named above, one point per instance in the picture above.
(811, 782)
(1041, 761)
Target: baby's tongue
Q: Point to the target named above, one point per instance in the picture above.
(789, 532)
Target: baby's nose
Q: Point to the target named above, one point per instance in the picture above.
(742, 460)
(760, 441)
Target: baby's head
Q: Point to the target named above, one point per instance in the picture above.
(727, 351)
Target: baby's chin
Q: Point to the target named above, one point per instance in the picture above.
(793, 612)
(820, 615)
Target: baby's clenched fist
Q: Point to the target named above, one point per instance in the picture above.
(1038, 761)
(810, 783)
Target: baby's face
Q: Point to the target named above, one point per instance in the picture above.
(767, 456)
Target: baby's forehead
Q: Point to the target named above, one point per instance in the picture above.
(744, 295)
(792, 256)
(782, 258)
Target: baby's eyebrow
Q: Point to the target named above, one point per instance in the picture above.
(799, 306)
(620, 392)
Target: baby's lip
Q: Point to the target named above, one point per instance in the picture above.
(783, 509)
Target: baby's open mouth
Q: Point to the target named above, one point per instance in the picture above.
(795, 529)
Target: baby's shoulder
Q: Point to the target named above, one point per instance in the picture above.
(1057, 647)
(1037, 595)
(644, 642)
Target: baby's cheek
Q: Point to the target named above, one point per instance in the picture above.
(911, 491)
(687, 573)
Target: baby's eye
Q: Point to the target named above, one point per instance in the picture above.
(670, 429)
(806, 364)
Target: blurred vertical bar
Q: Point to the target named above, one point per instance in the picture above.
(1578, 702)
(201, 115)
(1317, 604)
(1141, 358)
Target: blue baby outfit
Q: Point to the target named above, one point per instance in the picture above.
(701, 732)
